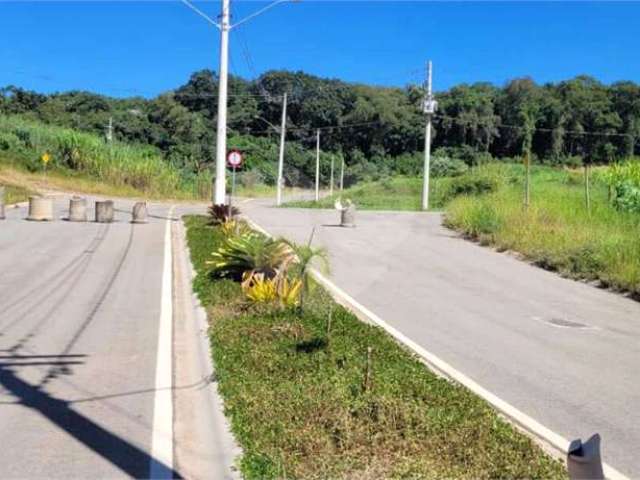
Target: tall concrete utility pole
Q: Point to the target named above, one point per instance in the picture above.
(225, 26)
(317, 165)
(283, 126)
(110, 130)
(221, 139)
(342, 175)
(430, 106)
(331, 181)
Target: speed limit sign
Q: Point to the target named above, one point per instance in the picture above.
(234, 158)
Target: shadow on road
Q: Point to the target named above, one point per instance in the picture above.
(130, 459)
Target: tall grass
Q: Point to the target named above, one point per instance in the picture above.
(139, 167)
(557, 231)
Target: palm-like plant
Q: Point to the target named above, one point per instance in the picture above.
(305, 256)
(250, 253)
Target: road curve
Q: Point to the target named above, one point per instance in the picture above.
(563, 352)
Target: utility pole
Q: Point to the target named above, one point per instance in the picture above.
(331, 181)
(281, 156)
(110, 131)
(221, 140)
(342, 175)
(317, 165)
(430, 106)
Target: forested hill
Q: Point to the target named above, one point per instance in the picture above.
(571, 121)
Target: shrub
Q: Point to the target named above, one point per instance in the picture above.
(219, 214)
(253, 253)
(447, 167)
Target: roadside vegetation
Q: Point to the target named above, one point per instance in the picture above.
(84, 160)
(312, 392)
(594, 239)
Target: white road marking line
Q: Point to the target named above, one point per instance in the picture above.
(559, 445)
(161, 463)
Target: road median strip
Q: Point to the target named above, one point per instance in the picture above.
(319, 393)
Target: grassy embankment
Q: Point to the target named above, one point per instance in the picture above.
(557, 231)
(295, 388)
(85, 162)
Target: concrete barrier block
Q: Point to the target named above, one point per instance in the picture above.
(77, 209)
(584, 460)
(104, 211)
(2, 215)
(40, 209)
(139, 213)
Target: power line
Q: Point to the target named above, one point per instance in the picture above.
(536, 129)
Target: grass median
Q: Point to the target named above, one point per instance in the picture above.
(306, 399)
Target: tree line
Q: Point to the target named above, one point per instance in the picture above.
(376, 130)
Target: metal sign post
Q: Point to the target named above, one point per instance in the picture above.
(234, 160)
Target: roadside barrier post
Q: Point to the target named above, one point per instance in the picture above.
(77, 209)
(348, 216)
(139, 213)
(584, 460)
(2, 216)
(104, 211)
(40, 209)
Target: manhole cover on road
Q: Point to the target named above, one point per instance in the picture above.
(560, 322)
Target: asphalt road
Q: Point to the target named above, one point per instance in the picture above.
(80, 312)
(563, 352)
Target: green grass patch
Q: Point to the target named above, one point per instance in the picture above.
(557, 231)
(295, 392)
(405, 193)
(125, 167)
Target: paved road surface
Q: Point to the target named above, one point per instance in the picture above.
(507, 325)
(80, 307)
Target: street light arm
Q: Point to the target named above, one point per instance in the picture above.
(201, 13)
(262, 10)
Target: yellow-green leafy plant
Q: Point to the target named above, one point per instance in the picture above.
(259, 289)
(235, 227)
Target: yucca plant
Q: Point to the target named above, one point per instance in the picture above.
(305, 256)
(219, 213)
(253, 253)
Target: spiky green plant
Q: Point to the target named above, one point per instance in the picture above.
(253, 253)
(305, 256)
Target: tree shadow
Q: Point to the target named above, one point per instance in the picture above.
(127, 457)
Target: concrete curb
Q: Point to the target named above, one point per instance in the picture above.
(205, 446)
(552, 443)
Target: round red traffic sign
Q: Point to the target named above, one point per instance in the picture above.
(234, 158)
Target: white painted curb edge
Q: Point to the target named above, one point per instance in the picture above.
(161, 462)
(558, 445)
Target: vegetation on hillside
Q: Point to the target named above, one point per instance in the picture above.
(316, 393)
(142, 168)
(378, 131)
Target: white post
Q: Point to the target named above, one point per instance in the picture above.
(317, 165)
(281, 156)
(221, 142)
(429, 109)
(331, 181)
(342, 175)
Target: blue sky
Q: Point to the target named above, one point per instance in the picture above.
(143, 48)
